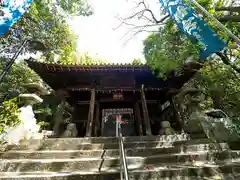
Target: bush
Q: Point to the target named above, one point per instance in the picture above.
(9, 114)
(44, 125)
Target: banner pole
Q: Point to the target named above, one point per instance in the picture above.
(221, 26)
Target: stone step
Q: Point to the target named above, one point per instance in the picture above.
(103, 140)
(69, 154)
(86, 164)
(187, 172)
(76, 145)
(107, 140)
(197, 136)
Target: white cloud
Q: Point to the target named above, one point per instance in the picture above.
(98, 37)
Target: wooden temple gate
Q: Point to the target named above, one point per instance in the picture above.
(92, 89)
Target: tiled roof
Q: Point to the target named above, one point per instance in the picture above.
(87, 65)
(55, 67)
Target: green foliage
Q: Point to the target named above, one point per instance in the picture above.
(44, 112)
(9, 114)
(47, 21)
(221, 85)
(43, 124)
(168, 49)
(11, 88)
(86, 60)
(76, 7)
(137, 61)
(18, 75)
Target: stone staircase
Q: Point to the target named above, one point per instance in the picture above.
(174, 157)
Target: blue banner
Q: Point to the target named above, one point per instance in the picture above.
(194, 27)
(10, 12)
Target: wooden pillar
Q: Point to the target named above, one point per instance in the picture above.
(138, 118)
(145, 113)
(97, 120)
(90, 114)
(176, 113)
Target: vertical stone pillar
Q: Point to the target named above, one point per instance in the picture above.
(97, 120)
(145, 113)
(138, 118)
(90, 114)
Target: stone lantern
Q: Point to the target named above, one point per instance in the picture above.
(28, 127)
(27, 117)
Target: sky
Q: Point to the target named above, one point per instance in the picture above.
(98, 36)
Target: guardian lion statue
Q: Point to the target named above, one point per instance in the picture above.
(71, 131)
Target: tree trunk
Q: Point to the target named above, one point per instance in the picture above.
(229, 18)
(230, 9)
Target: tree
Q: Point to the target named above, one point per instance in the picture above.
(143, 19)
(10, 89)
(137, 61)
(169, 49)
(46, 21)
(229, 13)
(220, 86)
(9, 114)
(12, 85)
(84, 59)
(143, 12)
(174, 48)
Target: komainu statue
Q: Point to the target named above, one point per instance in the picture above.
(166, 128)
(211, 123)
(71, 131)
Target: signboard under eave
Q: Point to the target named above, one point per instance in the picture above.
(118, 96)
